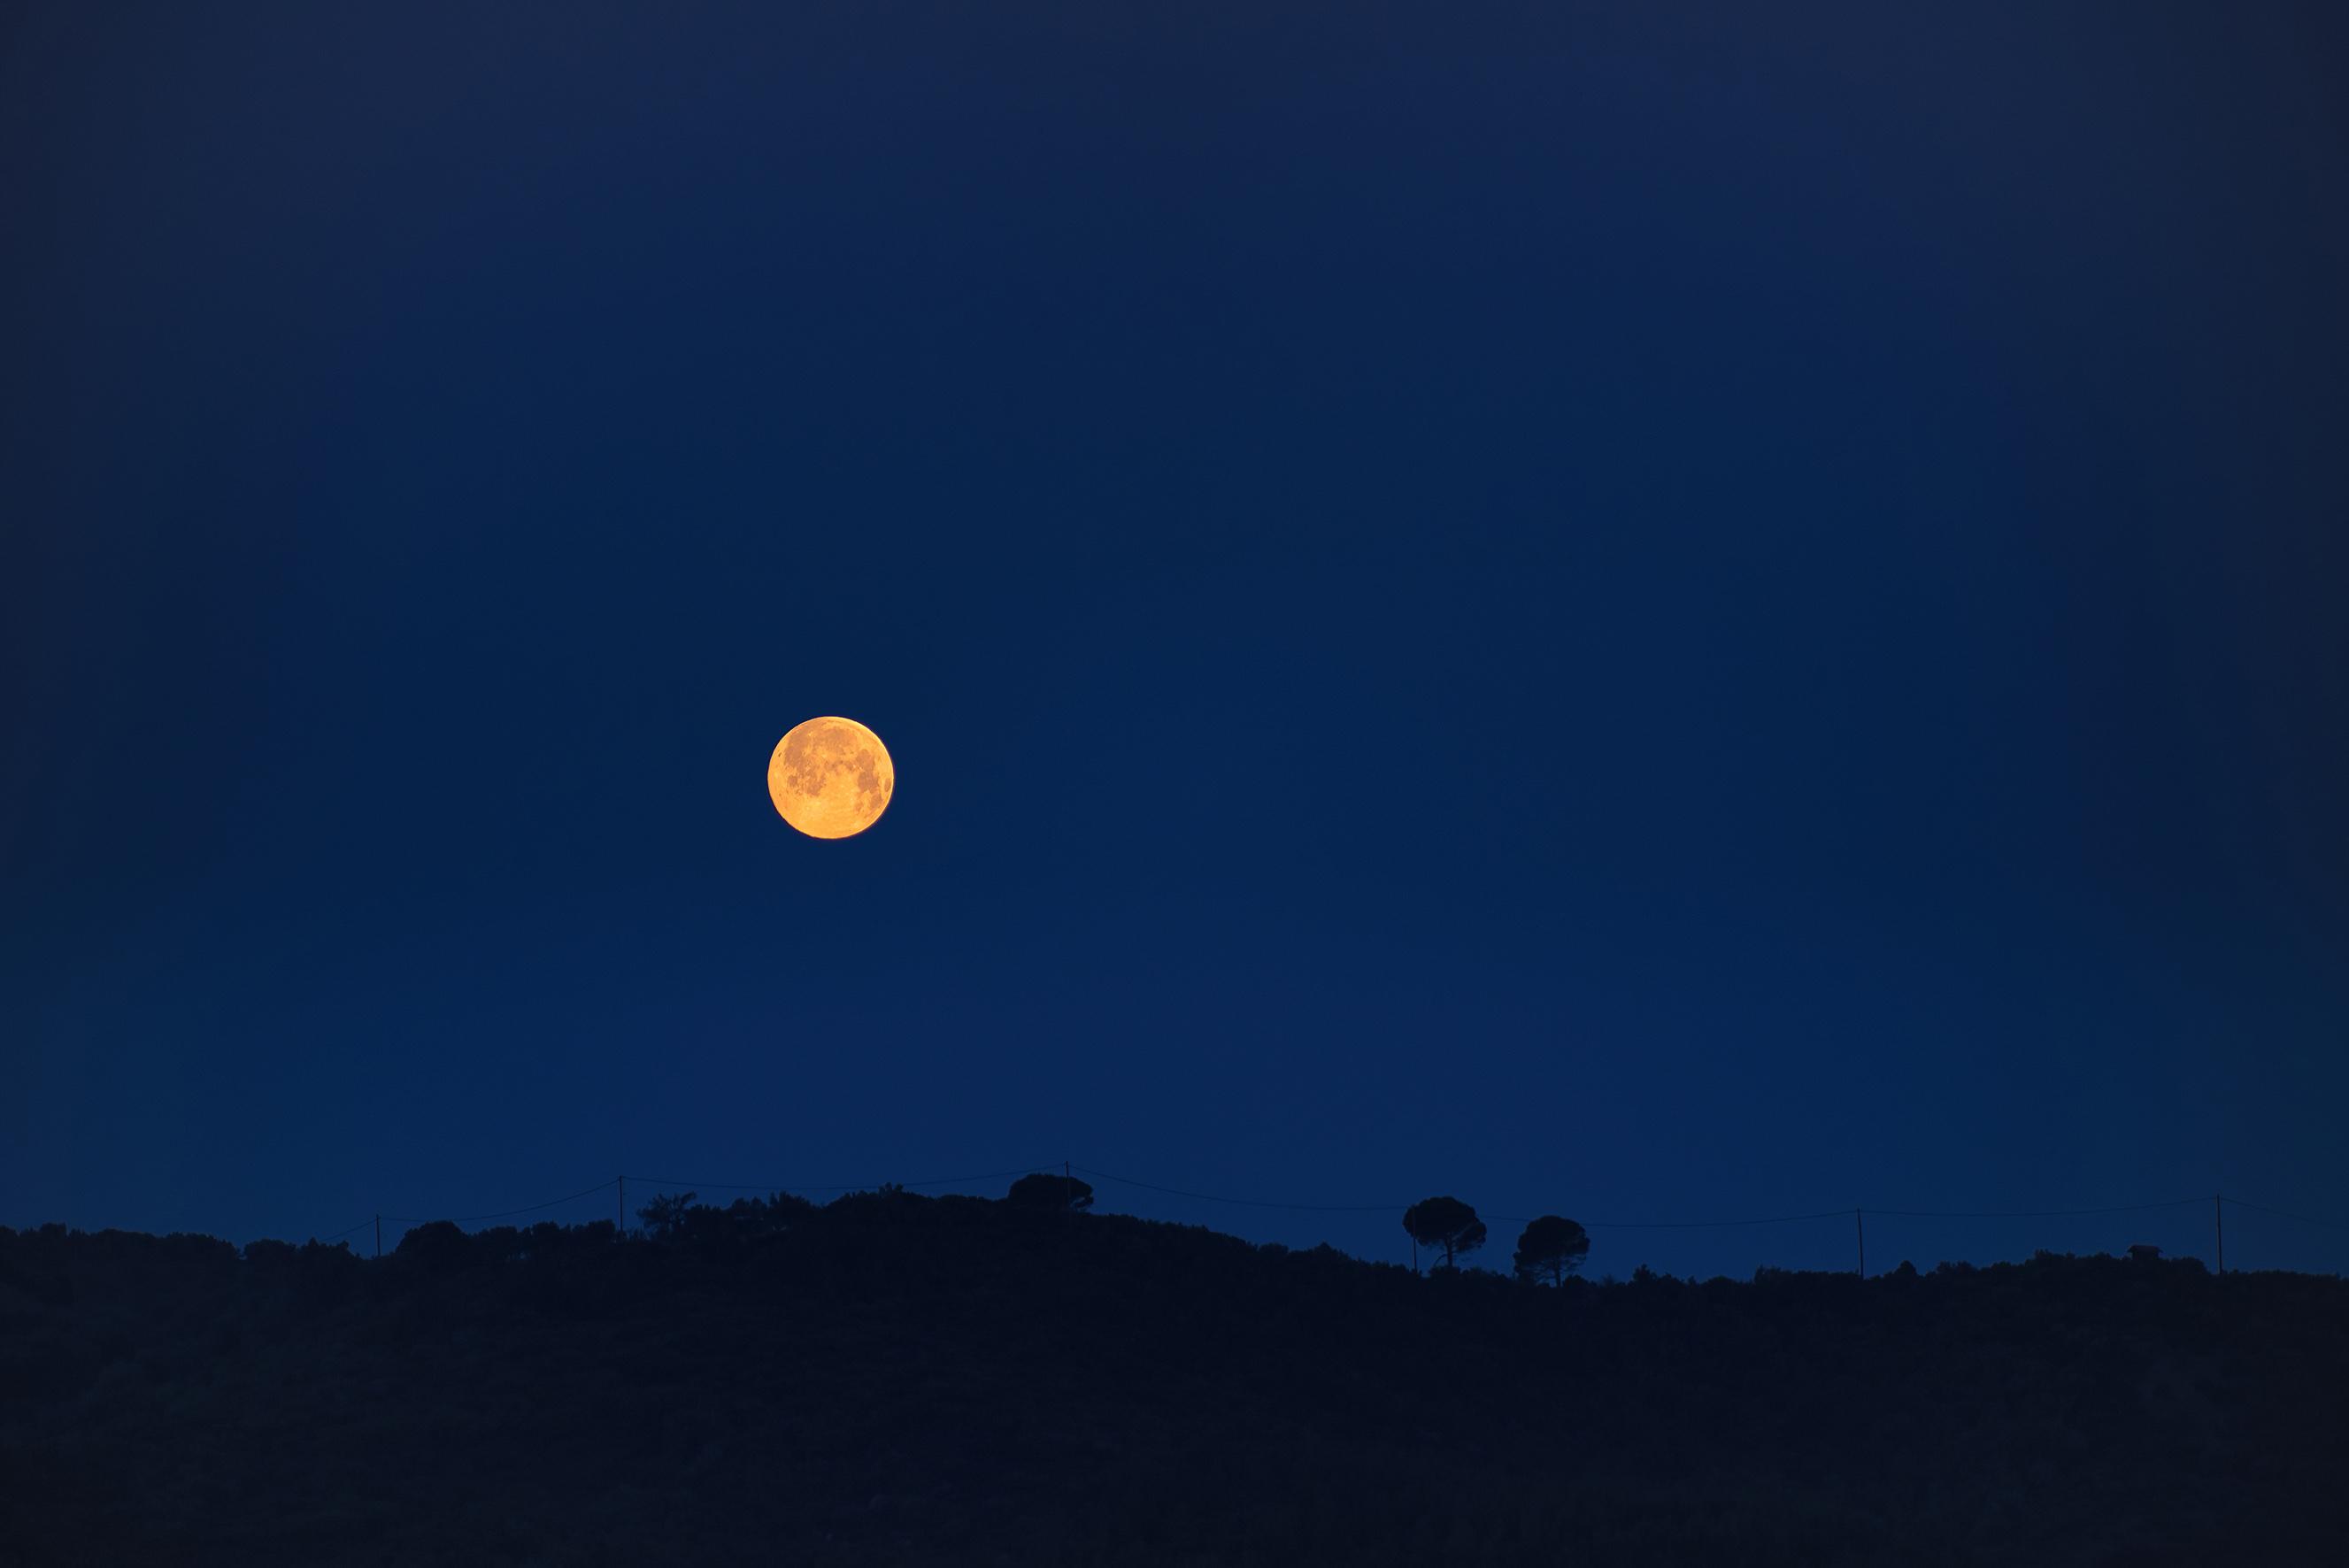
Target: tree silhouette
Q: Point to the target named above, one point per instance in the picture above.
(664, 1217)
(1445, 1222)
(1043, 1191)
(767, 1216)
(1551, 1248)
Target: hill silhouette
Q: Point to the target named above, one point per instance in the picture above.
(891, 1378)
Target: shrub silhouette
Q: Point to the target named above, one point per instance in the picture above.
(273, 1254)
(1043, 1190)
(770, 1216)
(676, 1217)
(1551, 1248)
(1445, 1222)
(665, 1216)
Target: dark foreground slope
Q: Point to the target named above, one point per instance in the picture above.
(898, 1379)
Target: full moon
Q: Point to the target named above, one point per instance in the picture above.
(831, 778)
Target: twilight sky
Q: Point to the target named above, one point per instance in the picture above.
(1652, 611)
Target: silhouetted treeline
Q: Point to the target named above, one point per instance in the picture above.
(888, 1379)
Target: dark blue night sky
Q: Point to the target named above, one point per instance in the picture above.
(1655, 612)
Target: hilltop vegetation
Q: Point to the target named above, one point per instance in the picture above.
(890, 1378)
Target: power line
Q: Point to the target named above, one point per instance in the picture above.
(834, 1186)
(501, 1214)
(1506, 1219)
(1704, 1224)
(1247, 1203)
(2029, 1213)
(1838, 1213)
(672, 1181)
(2288, 1215)
(1678, 1225)
(1689, 1224)
(338, 1235)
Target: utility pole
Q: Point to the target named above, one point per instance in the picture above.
(378, 1238)
(623, 1180)
(2219, 1214)
(1068, 1186)
(1860, 1227)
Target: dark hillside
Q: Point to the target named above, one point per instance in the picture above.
(899, 1379)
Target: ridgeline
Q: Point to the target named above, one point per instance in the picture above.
(891, 1379)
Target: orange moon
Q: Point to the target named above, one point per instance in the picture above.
(831, 778)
